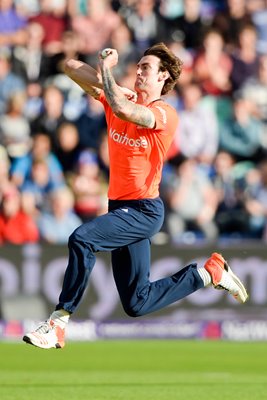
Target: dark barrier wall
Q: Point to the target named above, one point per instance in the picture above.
(38, 270)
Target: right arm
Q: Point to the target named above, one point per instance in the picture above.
(90, 80)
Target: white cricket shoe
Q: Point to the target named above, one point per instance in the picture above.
(48, 335)
(223, 277)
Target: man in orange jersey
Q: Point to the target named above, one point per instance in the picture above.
(140, 132)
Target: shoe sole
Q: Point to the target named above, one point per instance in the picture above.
(242, 296)
(27, 340)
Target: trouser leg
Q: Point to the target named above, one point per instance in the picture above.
(80, 265)
(138, 295)
(121, 226)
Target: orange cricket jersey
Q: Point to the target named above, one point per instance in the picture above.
(136, 153)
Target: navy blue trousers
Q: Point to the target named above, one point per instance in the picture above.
(125, 231)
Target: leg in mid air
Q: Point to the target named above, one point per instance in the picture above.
(139, 296)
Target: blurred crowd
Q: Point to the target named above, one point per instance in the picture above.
(54, 164)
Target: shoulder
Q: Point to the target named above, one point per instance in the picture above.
(166, 110)
(162, 104)
(165, 116)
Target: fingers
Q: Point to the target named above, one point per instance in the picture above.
(108, 57)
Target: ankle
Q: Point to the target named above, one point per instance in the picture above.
(61, 317)
(205, 276)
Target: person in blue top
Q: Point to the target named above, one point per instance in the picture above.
(41, 150)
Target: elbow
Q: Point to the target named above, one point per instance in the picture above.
(69, 66)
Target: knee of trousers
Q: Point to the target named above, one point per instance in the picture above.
(132, 310)
(76, 239)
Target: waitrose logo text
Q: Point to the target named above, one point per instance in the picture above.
(124, 139)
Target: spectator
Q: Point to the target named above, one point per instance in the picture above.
(27, 8)
(70, 49)
(68, 146)
(177, 45)
(245, 58)
(12, 25)
(37, 187)
(4, 170)
(197, 132)
(75, 7)
(190, 185)
(147, 26)
(52, 116)
(230, 20)
(15, 128)
(174, 99)
(34, 101)
(29, 61)
(53, 18)
(258, 11)
(103, 155)
(41, 150)
(74, 101)
(129, 77)
(121, 40)
(254, 89)
(170, 9)
(256, 200)
(88, 187)
(241, 135)
(212, 66)
(16, 226)
(231, 217)
(99, 23)
(90, 123)
(60, 221)
(9, 81)
(189, 25)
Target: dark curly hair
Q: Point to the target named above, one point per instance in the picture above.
(168, 62)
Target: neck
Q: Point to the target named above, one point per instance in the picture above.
(145, 99)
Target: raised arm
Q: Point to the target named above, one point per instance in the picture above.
(90, 80)
(120, 104)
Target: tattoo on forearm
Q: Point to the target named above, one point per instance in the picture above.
(110, 87)
(143, 114)
(120, 104)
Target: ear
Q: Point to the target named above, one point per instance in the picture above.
(164, 75)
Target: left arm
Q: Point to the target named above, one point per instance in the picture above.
(121, 106)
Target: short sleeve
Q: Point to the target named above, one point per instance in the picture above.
(165, 116)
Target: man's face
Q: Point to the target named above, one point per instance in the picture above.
(147, 73)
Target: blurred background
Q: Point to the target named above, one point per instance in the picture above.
(54, 165)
